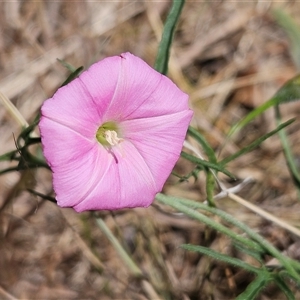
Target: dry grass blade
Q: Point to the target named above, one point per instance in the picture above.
(13, 111)
(19, 81)
(235, 23)
(5, 295)
(150, 291)
(264, 214)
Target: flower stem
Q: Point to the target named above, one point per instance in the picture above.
(162, 59)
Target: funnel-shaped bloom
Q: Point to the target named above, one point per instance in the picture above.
(113, 135)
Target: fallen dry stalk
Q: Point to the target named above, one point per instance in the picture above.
(264, 214)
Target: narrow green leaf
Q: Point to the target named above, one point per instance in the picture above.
(49, 198)
(257, 244)
(192, 213)
(255, 143)
(205, 145)
(33, 141)
(72, 76)
(68, 66)
(284, 287)
(74, 71)
(24, 166)
(290, 91)
(255, 254)
(37, 118)
(251, 116)
(162, 59)
(25, 133)
(290, 265)
(287, 151)
(8, 156)
(219, 256)
(194, 173)
(12, 169)
(32, 161)
(206, 164)
(255, 287)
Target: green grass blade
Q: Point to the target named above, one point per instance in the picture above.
(219, 256)
(66, 65)
(162, 59)
(72, 76)
(74, 71)
(206, 164)
(290, 91)
(283, 286)
(255, 143)
(252, 115)
(255, 287)
(288, 152)
(205, 145)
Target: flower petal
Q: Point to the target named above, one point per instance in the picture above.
(73, 107)
(101, 81)
(140, 90)
(128, 183)
(159, 141)
(76, 162)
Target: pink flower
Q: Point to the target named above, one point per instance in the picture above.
(113, 135)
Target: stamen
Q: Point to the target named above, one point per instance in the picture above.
(112, 137)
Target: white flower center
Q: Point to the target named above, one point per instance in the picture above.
(112, 137)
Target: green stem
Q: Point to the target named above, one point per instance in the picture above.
(46, 197)
(162, 59)
(210, 185)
